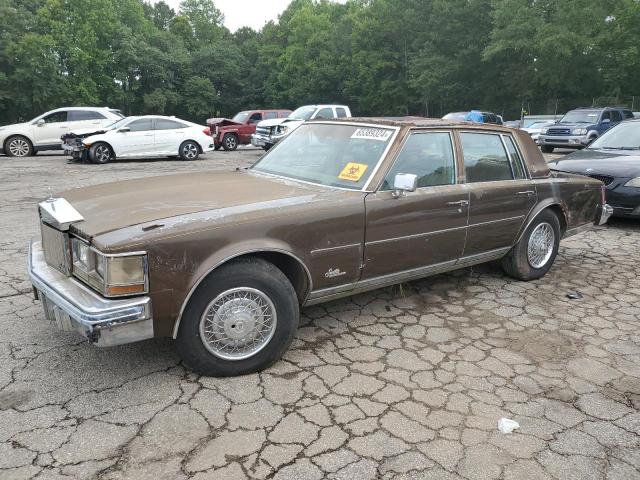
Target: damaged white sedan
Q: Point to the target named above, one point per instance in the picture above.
(139, 137)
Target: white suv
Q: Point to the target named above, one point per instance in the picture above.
(269, 132)
(44, 132)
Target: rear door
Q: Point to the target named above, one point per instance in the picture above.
(168, 135)
(85, 119)
(500, 192)
(424, 229)
(55, 125)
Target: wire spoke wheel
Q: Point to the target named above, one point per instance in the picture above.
(238, 323)
(540, 246)
(19, 147)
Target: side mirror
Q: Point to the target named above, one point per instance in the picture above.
(40, 122)
(124, 130)
(404, 182)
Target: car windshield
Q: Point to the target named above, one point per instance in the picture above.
(327, 154)
(240, 117)
(581, 116)
(119, 123)
(538, 124)
(302, 113)
(625, 136)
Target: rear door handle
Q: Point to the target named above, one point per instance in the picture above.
(528, 193)
(459, 203)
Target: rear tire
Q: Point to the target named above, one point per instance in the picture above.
(230, 142)
(532, 257)
(18, 146)
(546, 149)
(241, 319)
(101, 153)
(189, 150)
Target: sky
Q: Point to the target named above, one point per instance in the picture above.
(240, 13)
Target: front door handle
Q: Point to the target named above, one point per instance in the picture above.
(528, 193)
(459, 203)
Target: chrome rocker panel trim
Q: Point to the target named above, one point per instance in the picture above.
(74, 307)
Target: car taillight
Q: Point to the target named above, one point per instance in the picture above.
(207, 131)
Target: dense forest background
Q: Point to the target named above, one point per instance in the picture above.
(381, 57)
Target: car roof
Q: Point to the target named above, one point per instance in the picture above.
(421, 122)
(83, 108)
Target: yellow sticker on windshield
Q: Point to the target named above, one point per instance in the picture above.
(353, 171)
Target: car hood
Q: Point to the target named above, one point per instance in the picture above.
(221, 122)
(621, 163)
(271, 122)
(14, 125)
(113, 206)
(83, 133)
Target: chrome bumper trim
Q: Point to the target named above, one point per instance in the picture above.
(605, 214)
(74, 307)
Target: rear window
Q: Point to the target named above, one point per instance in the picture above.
(165, 124)
(80, 115)
(485, 159)
(627, 114)
(341, 112)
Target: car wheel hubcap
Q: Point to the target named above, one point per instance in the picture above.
(238, 323)
(102, 154)
(231, 142)
(540, 248)
(190, 150)
(19, 147)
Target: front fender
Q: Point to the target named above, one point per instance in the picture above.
(228, 253)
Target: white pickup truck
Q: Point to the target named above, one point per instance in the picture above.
(270, 132)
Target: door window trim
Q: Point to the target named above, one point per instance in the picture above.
(512, 160)
(499, 134)
(423, 131)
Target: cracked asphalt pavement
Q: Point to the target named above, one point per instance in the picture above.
(401, 383)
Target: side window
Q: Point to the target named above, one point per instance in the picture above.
(56, 117)
(270, 115)
(606, 116)
(627, 114)
(517, 163)
(341, 112)
(427, 155)
(255, 118)
(325, 113)
(166, 124)
(84, 115)
(284, 114)
(141, 125)
(615, 116)
(485, 159)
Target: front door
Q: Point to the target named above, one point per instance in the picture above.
(138, 141)
(420, 231)
(501, 194)
(48, 133)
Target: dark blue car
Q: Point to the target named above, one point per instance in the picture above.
(579, 127)
(614, 159)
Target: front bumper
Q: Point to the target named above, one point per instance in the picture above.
(563, 141)
(261, 141)
(74, 307)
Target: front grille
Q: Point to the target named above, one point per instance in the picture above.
(56, 248)
(559, 131)
(606, 179)
(263, 131)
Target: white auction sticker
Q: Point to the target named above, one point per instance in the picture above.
(381, 134)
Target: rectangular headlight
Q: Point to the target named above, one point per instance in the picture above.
(113, 275)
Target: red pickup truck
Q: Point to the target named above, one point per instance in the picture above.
(228, 134)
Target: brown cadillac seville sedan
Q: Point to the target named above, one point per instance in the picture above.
(223, 262)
